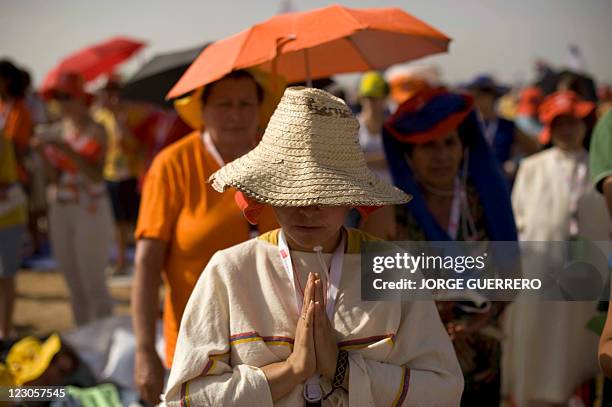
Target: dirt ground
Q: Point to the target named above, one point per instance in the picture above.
(43, 305)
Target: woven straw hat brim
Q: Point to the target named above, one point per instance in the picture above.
(279, 183)
(309, 155)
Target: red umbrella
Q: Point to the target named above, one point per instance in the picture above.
(94, 60)
(317, 44)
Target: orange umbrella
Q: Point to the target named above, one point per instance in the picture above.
(316, 44)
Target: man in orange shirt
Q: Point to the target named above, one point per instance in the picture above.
(183, 221)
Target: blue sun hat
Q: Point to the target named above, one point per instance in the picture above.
(430, 115)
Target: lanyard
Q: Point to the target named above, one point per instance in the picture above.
(212, 150)
(333, 275)
(455, 214)
(460, 206)
(312, 388)
(575, 181)
(490, 130)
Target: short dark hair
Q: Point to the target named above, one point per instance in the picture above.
(240, 74)
(14, 77)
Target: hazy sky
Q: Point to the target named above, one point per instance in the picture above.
(497, 36)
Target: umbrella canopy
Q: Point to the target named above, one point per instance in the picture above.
(94, 60)
(155, 78)
(316, 44)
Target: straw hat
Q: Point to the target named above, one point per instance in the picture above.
(309, 155)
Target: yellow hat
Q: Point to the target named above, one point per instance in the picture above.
(28, 359)
(507, 106)
(190, 107)
(373, 85)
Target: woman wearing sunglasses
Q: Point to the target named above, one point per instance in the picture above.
(80, 218)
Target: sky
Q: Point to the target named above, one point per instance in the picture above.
(498, 37)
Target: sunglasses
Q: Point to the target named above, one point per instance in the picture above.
(62, 96)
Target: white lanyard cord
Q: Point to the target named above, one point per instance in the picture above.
(490, 130)
(460, 206)
(212, 149)
(575, 181)
(312, 388)
(333, 275)
(455, 214)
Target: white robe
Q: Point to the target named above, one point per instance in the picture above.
(548, 350)
(242, 316)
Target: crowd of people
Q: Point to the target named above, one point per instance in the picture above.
(252, 223)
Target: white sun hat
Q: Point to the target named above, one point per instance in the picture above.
(309, 155)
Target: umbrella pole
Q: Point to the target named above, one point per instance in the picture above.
(274, 76)
(280, 43)
(308, 76)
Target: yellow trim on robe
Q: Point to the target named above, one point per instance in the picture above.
(244, 293)
(355, 237)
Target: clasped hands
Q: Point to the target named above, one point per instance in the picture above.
(315, 348)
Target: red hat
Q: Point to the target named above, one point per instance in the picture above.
(71, 83)
(562, 103)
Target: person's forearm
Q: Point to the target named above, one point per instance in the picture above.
(605, 341)
(145, 300)
(282, 379)
(605, 357)
(607, 191)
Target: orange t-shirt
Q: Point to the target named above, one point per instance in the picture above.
(18, 124)
(181, 208)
